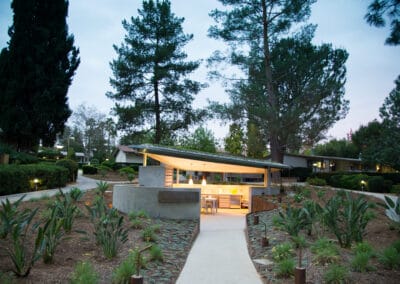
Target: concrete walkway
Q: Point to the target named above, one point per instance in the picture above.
(219, 254)
(83, 183)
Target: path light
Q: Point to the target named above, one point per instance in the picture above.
(36, 182)
(363, 183)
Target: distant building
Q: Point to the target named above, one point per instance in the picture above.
(324, 164)
(126, 155)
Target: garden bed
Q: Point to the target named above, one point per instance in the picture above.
(378, 233)
(175, 239)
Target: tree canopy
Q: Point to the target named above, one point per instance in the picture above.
(379, 141)
(292, 90)
(337, 148)
(36, 70)
(381, 10)
(153, 92)
(202, 139)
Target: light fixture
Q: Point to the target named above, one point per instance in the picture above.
(204, 182)
(36, 181)
(190, 180)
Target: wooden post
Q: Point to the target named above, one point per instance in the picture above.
(136, 279)
(300, 275)
(256, 219)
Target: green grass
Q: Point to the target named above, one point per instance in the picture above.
(285, 268)
(84, 273)
(336, 274)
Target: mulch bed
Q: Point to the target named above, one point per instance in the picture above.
(378, 234)
(175, 240)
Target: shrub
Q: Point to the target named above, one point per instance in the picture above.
(108, 227)
(285, 267)
(292, 221)
(128, 172)
(66, 207)
(316, 181)
(282, 251)
(325, 251)
(149, 235)
(364, 247)
(123, 272)
(23, 257)
(156, 253)
(301, 173)
(19, 178)
(360, 262)
(52, 235)
(390, 258)
(347, 217)
(84, 273)
(336, 274)
(89, 170)
(395, 189)
(375, 184)
(109, 164)
(21, 158)
(103, 170)
(72, 167)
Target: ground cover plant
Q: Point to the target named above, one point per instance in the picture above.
(77, 257)
(348, 238)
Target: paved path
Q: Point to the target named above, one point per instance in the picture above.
(82, 183)
(219, 254)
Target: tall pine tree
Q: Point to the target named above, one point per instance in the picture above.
(36, 70)
(150, 75)
(292, 90)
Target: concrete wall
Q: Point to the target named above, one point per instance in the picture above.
(127, 198)
(152, 176)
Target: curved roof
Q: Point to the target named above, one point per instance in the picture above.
(206, 162)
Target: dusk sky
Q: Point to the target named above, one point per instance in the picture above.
(372, 66)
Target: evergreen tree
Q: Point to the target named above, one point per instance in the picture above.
(255, 25)
(378, 10)
(235, 141)
(151, 73)
(36, 70)
(294, 91)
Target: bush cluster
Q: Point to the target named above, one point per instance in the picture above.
(19, 178)
(72, 167)
(89, 170)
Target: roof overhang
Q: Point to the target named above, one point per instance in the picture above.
(205, 162)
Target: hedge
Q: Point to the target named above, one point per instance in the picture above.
(301, 173)
(89, 170)
(19, 178)
(72, 167)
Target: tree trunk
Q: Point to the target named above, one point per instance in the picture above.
(157, 138)
(276, 150)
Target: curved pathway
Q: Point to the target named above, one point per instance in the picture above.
(83, 183)
(219, 254)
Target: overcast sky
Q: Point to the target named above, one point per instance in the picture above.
(372, 67)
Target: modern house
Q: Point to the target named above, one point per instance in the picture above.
(162, 193)
(323, 163)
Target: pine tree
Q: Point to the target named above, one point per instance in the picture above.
(150, 75)
(36, 70)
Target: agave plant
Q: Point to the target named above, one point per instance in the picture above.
(392, 209)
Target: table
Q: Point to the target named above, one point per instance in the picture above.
(210, 202)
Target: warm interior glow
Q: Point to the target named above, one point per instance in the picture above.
(204, 182)
(191, 181)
